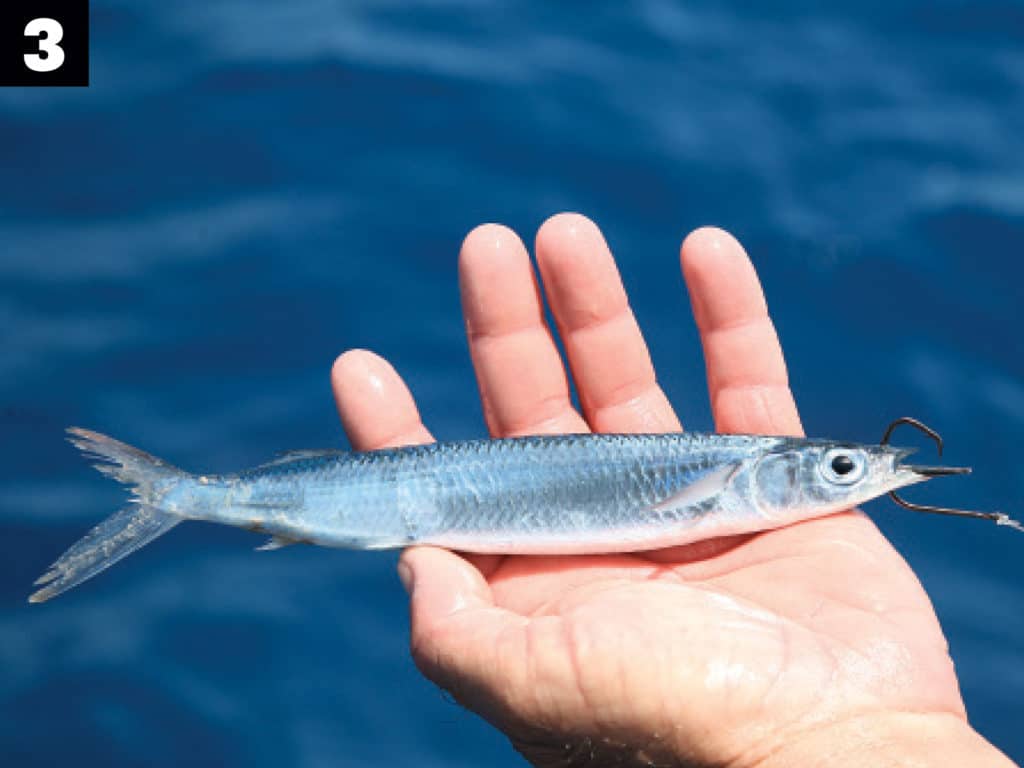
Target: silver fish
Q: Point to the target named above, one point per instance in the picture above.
(566, 494)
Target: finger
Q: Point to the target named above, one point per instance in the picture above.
(746, 372)
(376, 408)
(607, 354)
(523, 386)
(377, 411)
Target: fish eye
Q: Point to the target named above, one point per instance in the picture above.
(843, 466)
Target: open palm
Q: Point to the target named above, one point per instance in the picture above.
(724, 652)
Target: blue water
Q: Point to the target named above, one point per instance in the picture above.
(249, 188)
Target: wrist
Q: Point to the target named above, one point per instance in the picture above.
(891, 739)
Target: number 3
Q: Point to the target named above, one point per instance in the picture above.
(49, 32)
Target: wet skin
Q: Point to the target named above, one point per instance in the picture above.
(753, 651)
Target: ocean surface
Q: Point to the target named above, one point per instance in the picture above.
(249, 188)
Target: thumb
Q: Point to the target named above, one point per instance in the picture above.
(440, 584)
(459, 639)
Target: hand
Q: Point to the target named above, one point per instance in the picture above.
(767, 649)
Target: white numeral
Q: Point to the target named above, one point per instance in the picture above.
(49, 32)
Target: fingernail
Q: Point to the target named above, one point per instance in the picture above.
(405, 576)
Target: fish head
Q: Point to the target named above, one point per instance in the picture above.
(810, 478)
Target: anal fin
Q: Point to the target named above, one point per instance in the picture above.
(275, 542)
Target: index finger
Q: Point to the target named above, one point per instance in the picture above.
(376, 408)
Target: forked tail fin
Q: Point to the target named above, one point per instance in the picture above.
(123, 532)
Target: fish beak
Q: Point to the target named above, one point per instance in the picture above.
(936, 471)
(923, 472)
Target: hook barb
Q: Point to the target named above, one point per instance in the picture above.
(998, 517)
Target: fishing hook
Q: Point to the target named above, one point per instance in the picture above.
(997, 517)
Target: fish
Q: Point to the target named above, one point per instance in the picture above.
(542, 495)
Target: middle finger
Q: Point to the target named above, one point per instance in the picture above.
(523, 386)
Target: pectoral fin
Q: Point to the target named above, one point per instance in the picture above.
(701, 489)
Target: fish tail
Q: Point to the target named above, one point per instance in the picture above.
(127, 530)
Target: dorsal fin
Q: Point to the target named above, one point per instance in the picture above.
(286, 457)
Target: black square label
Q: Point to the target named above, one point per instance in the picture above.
(44, 42)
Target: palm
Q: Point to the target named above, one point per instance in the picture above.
(773, 632)
(743, 636)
